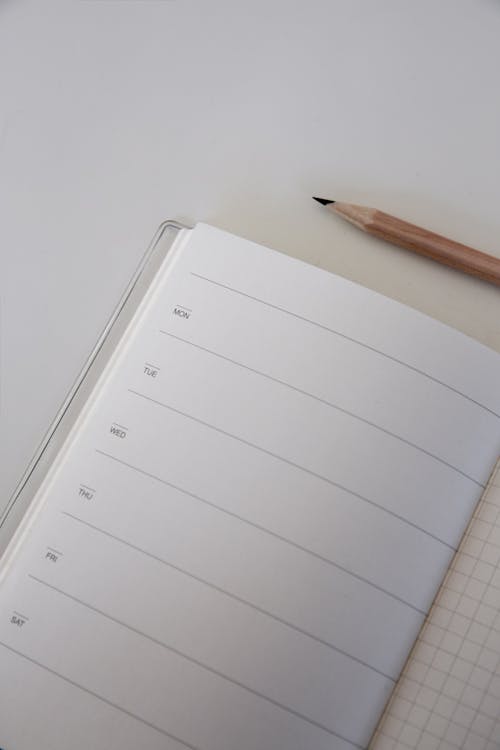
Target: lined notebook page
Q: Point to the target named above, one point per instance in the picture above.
(242, 535)
(448, 697)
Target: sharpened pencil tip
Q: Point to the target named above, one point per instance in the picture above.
(323, 201)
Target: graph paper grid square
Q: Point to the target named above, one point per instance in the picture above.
(448, 696)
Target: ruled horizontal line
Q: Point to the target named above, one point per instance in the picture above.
(115, 424)
(263, 529)
(347, 338)
(230, 595)
(326, 403)
(195, 661)
(99, 697)
(295, 465)
(85, 487)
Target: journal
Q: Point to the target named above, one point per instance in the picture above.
(240, 519)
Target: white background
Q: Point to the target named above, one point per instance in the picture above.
(117, 114)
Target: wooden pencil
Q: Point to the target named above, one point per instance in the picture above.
(421, 241)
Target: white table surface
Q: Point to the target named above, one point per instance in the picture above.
(117, 114)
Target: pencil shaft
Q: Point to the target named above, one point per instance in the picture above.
(421, 241)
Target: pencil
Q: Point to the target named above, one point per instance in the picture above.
(421, 241)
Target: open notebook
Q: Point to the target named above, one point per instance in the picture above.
(238, 525)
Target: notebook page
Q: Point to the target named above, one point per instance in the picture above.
(243, 534)
(449, 694)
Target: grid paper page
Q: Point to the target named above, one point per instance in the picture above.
(448, 696)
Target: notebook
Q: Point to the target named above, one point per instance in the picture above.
(239, 521)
